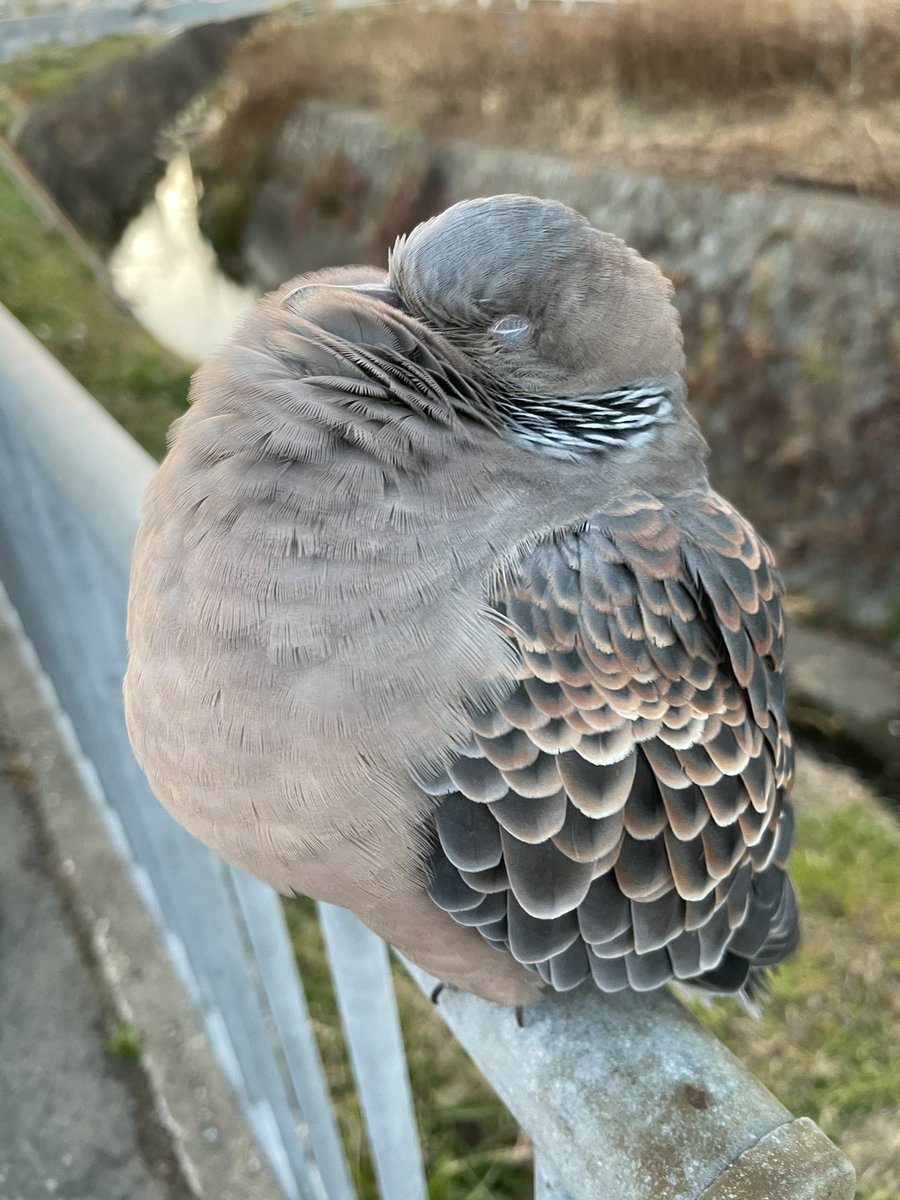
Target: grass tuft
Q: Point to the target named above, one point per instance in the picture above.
(123, 1043)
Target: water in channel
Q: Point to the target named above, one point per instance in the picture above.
(168, 272)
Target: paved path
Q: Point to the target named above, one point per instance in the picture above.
(72, 1119)
(73, 26)
(77, 947)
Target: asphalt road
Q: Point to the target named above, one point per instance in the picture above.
(87, 23)
(73, 1122)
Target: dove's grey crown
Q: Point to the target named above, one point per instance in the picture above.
(579, 314)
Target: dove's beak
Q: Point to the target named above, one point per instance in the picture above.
(379, 291)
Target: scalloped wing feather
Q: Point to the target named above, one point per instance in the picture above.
(626, 807)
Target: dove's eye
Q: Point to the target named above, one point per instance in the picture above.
(513, 331)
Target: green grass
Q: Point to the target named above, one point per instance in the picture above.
(123, 1043)
(828, 1044)
(835, 1009)
(46, 285)
(51, 69)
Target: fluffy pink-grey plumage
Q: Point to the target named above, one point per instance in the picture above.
(435, 616)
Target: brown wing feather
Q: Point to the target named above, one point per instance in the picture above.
(626, 806)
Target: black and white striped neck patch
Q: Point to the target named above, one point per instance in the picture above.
(579, 424)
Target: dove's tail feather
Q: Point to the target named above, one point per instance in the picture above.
(746, 975)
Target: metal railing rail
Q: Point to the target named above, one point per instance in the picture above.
(625, 1097)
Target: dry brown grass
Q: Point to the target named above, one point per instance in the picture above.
(703, 49)
(749, 89)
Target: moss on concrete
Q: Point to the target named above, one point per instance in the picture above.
(123, 1044)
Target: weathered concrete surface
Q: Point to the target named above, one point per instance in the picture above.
(96, 147)
(789, 301)
(848, 696)
(78, 953)
(795, 1160)
(656, 1111)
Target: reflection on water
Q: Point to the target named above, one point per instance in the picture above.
(168, 273)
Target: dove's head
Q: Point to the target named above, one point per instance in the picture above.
(545, 307)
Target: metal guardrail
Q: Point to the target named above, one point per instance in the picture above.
(625, 1097)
